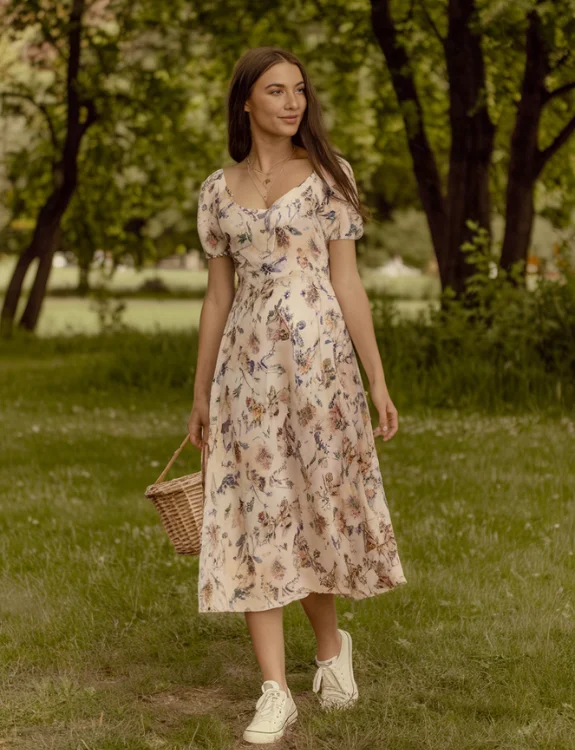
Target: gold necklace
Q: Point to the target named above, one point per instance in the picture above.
(261, 171)
(265, 195)
(274, 179)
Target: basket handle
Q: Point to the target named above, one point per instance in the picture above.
(177, 453)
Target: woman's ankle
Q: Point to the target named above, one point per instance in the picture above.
(282, 683)
(329, 650)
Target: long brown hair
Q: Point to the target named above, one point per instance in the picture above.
(311, 134)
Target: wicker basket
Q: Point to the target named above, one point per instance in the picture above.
(180, 503)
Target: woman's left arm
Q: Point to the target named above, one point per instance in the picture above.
(356, 310)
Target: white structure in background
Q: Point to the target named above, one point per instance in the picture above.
(396, 267)
(59, 260)
(190, 261)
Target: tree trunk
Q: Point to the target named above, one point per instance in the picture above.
(14, 289)
(524, 153)
(47, 230)
(424, 164)
(472, 135)
(518, 222)
(527, 160)
(83, 279)
(43, 245)
(31, 313)
(42, 241)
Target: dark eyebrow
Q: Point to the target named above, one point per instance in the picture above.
(282, 85)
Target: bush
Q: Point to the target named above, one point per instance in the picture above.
(499, 345)
(144, 361)
(156, 285)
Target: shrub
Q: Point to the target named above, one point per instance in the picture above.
(499, 345)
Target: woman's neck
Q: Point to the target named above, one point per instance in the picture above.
(267, 156)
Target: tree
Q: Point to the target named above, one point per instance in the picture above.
(528, 158)
(458, 34)
(118, 129)
(81, 113)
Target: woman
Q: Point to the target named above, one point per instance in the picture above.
(294, 501)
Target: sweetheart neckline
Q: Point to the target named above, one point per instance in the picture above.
(262, 210)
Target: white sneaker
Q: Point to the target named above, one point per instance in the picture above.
(338, 685)
(275, 711)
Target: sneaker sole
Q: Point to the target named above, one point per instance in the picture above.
(263, 738)
(354, 696)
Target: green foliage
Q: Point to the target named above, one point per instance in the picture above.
(406, 235)
(109, 310)
(148, 76)
(153, 362)
(497, 346)
(158, 76)
(514, 350)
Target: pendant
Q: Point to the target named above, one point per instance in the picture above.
(266, 181)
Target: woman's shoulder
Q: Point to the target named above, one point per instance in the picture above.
(213, 178)
(344, 164)
(210, 192)
(327, 183)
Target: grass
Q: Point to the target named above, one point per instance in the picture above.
(126, 279)
(76, 315)
(100, 640)
(181, 281)
(179, 308)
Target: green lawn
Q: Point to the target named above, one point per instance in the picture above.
(102, 647)
(408, 287)
(67, 278)
(70, 314)
(76, 315)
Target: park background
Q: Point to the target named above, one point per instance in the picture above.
(458, 118)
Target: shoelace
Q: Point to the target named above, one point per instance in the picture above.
(332, 687)
(267, 703)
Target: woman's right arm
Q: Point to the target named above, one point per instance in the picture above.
(215, 310)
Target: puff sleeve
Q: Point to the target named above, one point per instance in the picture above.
(214, 241)
(339, 219)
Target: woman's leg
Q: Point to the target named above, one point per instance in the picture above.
(321, 611)
(266, 631)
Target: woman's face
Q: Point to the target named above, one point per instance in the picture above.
(278, 93)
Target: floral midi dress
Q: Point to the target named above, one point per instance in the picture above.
(294, 498)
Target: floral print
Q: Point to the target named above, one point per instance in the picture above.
(294, 498)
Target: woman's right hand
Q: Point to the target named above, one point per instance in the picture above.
(199, 422)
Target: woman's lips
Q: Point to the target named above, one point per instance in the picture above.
(290, 119)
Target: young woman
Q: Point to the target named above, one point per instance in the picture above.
(295, 507)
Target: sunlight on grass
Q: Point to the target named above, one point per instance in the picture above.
(103, 646)
(67, 315)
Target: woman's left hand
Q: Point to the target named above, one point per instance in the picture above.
(388, 418)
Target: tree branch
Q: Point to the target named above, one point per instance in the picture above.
(431, 22)
(50, 38)
(560, 140)
(559, 91)
(92, 115)
(403, 80)
(561, 61)
(409, 14)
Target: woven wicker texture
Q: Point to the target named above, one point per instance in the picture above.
(180, 503)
